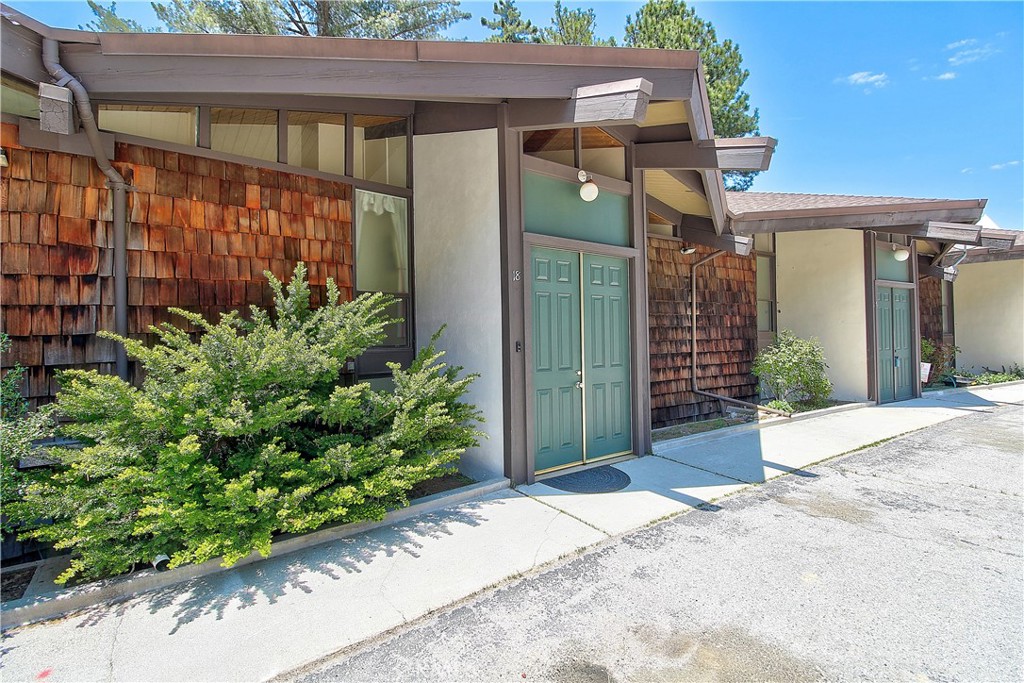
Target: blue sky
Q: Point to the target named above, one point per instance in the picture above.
(911, 99)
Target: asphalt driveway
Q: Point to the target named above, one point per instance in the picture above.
(898, 562)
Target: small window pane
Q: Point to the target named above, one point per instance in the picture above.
(765, 316)
(602, 154)
(317, 141)
(20, 99)
(157, 122)
(380, 149)
(764, 277)
(555, 144)
(382, 243)
(245, 132)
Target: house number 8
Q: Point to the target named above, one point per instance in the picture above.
(517, 275)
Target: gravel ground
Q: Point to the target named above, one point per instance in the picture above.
(899, 562)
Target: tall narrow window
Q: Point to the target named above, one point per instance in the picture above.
(947, 307)
(245, 132)
(381, 148)
(764, 250)
(382, 254)
(317, 141)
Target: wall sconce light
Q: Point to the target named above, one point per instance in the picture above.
(3, 158)
(588, 190)
(900, 253)
(687, 250)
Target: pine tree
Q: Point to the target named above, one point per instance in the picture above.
(671, 24)
(574, 27)
(510, 25)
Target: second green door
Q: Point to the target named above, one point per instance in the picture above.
(581, 351)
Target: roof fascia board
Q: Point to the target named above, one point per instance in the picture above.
(882, 222)
(977, 205)
(732, 154)
(698, 116)
(411, 80)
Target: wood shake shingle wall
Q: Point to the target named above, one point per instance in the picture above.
(929, 292)
(201, 233)
(726, 331)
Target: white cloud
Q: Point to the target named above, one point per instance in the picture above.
(948, 76)
(974, 54)
(967, 171)
(1006, 165)
(866, 78)
(966, 42)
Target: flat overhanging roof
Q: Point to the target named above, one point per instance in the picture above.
(753, 212)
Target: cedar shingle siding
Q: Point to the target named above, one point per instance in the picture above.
(929, 292)
(201, 232)
(726, 331)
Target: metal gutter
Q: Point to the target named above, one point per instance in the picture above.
(693, 345)
(51, 60)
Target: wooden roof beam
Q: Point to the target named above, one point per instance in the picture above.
(678, 219)
(925, 268)
(607, 104)
(721, 154)
(937, 230)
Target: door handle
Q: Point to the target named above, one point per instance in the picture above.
(896, 362)
(579, 385)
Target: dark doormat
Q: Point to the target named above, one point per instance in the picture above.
(604, 479)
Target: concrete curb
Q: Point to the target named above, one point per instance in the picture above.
(716, 434)
(62, 601)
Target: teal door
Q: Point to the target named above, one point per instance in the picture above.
(902, 344)
(894, 349)
(580, 345)
(557, 359)
(606, 371)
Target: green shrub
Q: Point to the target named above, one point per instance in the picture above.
(19, 430)
(794, 369)
(989, 376)
(778, 404)
(245, 433)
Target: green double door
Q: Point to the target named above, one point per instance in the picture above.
(895, 344)
(581, 357)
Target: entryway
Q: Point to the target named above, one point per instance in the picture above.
(581, 366)
(895, 343)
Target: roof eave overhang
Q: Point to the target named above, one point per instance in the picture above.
(879, 218)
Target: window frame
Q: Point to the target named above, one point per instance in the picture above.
(772, 284)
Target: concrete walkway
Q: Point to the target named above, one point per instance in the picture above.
(257, 621)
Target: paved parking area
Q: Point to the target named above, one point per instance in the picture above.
(898, 562)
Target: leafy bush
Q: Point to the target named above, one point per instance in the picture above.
(245, 433)
(941, 356)
(778, 404)
(794, 369)
(989, 376)
(19, 429)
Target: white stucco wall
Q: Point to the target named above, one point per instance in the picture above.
(458, 270)
(820, 291)
(988, 314)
